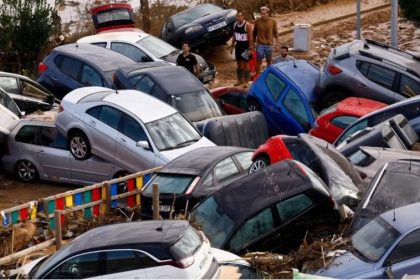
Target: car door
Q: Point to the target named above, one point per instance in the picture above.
(130, 132)
(33, 97)
(233, 103)
(130, 51)
(52, 154)
(102, 122)
(125, 264)
(68, 78)
(404, 259)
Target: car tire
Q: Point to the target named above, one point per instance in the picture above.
(253, 106)
(332, 97)
(26, 171)
(258, 164)
(79, 145)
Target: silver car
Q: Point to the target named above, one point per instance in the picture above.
(35, 150)
(128, 127)
(369, 69)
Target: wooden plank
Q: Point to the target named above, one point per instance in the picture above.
(30, 250)
(155, 201)
(58, 237)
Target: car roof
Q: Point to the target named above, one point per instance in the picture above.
(304, 74)
(144, 106)
(128, 36)
(359, 106)
(198, 161)
(406, 217)
(247, 195)
(165, 232)
(173, 79)
(96, 55)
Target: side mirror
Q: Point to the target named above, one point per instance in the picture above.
(388, 271)
(143, 144)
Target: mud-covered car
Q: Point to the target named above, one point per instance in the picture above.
(201, 26)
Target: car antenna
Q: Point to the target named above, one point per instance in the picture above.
(394, 217)
(294, 63)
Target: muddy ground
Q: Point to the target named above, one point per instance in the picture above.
(375, 25)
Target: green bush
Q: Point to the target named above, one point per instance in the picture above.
(411, 10)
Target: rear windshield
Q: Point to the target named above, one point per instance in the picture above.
(187, 245)
(170, 183)
(94, 97)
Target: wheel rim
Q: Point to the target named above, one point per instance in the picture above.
(26, 171)
(78, 147)
(257, 165)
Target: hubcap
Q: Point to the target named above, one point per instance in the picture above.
(78, 147)
(257, 165)
(26, 171)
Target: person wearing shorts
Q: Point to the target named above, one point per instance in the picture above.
(242, 42)
(265, 36)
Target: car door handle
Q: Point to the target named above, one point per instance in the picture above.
(92, 123)
(54, 78)
(122, 140)
(362, 85)
(41, 151)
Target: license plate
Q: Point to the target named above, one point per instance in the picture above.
(216, 26)
(165, 208)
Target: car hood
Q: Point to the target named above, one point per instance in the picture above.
(346, 266)
(207, 20)
(171, 154)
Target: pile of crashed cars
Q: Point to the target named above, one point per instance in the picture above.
(330, 149)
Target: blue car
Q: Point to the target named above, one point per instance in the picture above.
(387, 247)
(286, 94)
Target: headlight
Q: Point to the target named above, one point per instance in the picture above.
(231, 14)
(193, 29)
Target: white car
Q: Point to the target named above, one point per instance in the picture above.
(168, 249)
(127, 127)
(143, 47)
(9, 115)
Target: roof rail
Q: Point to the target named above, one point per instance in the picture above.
(379, 44)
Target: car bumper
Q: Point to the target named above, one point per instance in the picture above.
(208, 74)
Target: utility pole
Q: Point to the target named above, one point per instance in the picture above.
(145, 15)
(394, 23)
(358, 20)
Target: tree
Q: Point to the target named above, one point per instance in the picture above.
(411, 10)
(26, 27)
(145, 14)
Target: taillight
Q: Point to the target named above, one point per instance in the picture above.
(183, 263)
(192, 185)
(42, 68)
(60, 109)
(334, 70)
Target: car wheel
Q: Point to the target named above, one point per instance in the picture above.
(253, 106)
(79, 145)
(332, 98)
(26, 171)
(258, 164)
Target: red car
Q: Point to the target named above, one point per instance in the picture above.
(232, 99)
(109, 17)
(333, 120)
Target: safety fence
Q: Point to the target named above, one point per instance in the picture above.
(95, 200)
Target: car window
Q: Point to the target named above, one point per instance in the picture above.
(187, 245)
(225, 170)
(256, 226)
(359, 126)
(296, 108)
(31, 90)
(90, 77)
(145, 84)
(60, 142)
(68, 66)
(381, 75)
(293, 206)
(122, 260)
(100, 44)
(275, 85)
(363, 67)
(132, 129)
(208, 181)
(47, 136)
(157, 46)
(130, 51)
(9, 84)
(343, 121)
(106, 114)
(28, 134)
(170, 183)
(232, 98)
(78, 267)
(409, 87)
(245, 159)
(8, 102)
(301, 152)
(407, 248)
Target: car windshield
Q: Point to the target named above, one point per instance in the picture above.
(372, 240)
(172, 132)
(156, 46)
(194, 13)
(215, 225)
(196, 106)
(170, 183)
(187, 245)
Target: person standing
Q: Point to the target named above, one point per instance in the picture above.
(265, 36)
(284, 55)
(243, 44)
(188, 60)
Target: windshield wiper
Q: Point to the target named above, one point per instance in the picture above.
(182, 144)
(172, 52)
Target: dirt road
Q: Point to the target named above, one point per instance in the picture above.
(375, 25)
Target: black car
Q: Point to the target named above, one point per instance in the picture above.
(396, 184)
(174, 85)
(190, 178)
(28, 94)
(72, 66)
(202, 26)
(270, 210)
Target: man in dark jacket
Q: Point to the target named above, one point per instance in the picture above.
(188, 60)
